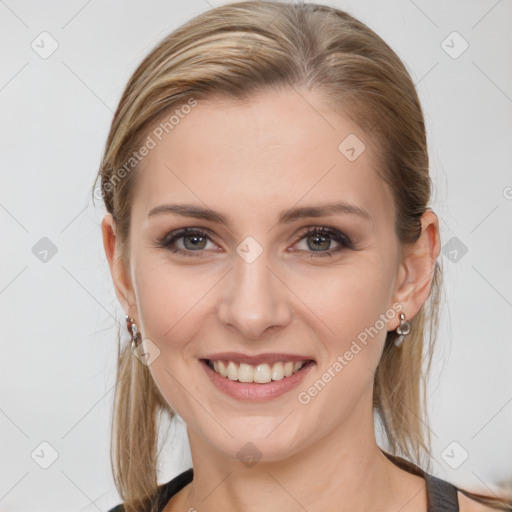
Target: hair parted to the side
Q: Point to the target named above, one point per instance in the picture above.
(234, 50)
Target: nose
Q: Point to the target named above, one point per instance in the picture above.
(254, 299)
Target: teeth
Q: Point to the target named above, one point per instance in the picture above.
(232, 371)
(261, 373)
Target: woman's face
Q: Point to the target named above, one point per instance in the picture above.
(255, 282)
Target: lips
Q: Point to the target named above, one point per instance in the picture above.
(254, 391)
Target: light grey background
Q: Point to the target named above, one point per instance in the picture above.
(58, 330)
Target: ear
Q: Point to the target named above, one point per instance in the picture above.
(417, 268)
(120, 274)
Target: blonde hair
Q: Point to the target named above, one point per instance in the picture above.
(235, 50)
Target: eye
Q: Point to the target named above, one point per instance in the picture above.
(318, 238)
(193, 241)
(185, 241)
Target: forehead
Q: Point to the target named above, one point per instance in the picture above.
(263, 155)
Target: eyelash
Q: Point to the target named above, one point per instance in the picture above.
(168, 240)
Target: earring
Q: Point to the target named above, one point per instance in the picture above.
(403, 329)
(132, 329)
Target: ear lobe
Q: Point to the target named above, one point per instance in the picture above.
(119, 273)
(416, 271)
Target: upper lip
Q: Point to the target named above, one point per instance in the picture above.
(268, 358)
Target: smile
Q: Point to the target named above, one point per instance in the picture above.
(256, 383)
(260, 373)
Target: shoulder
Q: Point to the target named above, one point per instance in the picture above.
(117, 508)
(467, 504)
(165, 491)
(444, 495)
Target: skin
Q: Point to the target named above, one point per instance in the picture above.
(250, 161)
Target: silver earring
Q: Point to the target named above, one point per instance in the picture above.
(134, 332)
(403, 330)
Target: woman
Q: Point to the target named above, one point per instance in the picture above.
(270, 241)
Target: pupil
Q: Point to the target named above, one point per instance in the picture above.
(318, 239)
(196, 240)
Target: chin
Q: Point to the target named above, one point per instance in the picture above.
(261, 439)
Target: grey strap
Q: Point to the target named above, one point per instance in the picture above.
(441, 495)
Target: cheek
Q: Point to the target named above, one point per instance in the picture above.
(349, 313)
(346, 299)
(170, 299)
(171, 303)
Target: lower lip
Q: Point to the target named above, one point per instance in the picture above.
(252, 391)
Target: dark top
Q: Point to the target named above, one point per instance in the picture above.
(441, 495)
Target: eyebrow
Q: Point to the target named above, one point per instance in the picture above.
(285, 217)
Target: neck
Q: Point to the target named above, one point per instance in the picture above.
(343, 472)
